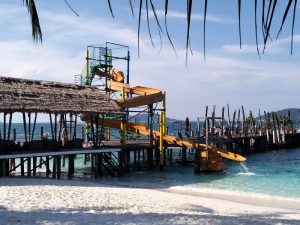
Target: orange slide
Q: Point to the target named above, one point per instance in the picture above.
(143, 130)
(145, 95)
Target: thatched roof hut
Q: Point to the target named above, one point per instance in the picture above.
(22, 95)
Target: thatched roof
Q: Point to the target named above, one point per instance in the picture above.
(22, 95)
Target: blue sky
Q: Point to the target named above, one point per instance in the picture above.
(229, 75)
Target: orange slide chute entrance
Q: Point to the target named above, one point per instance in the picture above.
(145, 95)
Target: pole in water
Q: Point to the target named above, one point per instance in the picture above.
(206, 138)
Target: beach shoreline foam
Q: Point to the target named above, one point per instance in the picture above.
(46, 201)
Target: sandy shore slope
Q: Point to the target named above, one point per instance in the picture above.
(45, 201)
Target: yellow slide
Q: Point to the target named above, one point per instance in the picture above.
(143, 130)
(146, 95)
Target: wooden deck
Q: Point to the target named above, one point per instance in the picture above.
(59, 152)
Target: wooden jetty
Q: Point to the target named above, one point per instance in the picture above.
(62, 103)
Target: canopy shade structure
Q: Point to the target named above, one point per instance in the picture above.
(23, 95)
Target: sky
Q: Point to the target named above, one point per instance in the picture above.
(228, 75)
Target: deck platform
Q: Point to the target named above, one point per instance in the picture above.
(59, 152)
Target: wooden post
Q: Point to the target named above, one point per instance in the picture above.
(29, 126)
(161, 145)
(228, 113)
(4, 129)
(54, 168)
(34, 123)
(93, 167)
(71, 167)
(222, 121)
(100, 165)
(24, 124)
(55, 127)
(233, 123)
(274, 130)
(139, 159)
(42, 132)
(22, 167)
(34, 166)
(58, 166)
(51, 124)
(28, 167)
(278, 128)
(150, 125)
(75, 131)
(47, 166)
(244, 122)
(171, 156)
(197, 162)
(150, 158)
(239, 123)
(9, 126)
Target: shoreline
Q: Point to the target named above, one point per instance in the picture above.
(84, 202)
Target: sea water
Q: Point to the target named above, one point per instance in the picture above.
(273, 173)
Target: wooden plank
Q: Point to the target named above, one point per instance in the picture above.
(59, 152)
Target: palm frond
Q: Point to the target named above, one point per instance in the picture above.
(293, 24)
(110, 8)
(239, 12)
(270, 23)
(155, 15)
(148, 24)
(204, 29)
(189, 13)
(284, 16)
(35, 23)
(256, 38)
(71, 8)
(139, 25)
(263, 18)
(166, 26)
(131, 7)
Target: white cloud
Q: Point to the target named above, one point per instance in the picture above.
(272, 48)
(195, 16)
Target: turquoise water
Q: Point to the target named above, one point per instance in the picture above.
(274, 173)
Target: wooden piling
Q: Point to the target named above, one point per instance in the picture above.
(71, 166)
(28, 167)
(34, 166)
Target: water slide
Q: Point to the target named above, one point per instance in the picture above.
(143, 130)
(145, 95)
(211, 159)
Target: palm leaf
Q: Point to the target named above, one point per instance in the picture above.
(284, 16)
(70, 7)
(110, 8)
(155, 15)
(239, 10)
(131, 7)
(204, 29)
(189, 12)
(148, 24)
(35, 23)
(256, 39)
(263, 19)
(293, 24)
(166, 26)
(270, 23)
(139, 25)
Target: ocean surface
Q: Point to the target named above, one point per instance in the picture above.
(273, 173)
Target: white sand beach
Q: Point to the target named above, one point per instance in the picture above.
(46, 201)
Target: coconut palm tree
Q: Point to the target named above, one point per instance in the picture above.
(263, 22)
